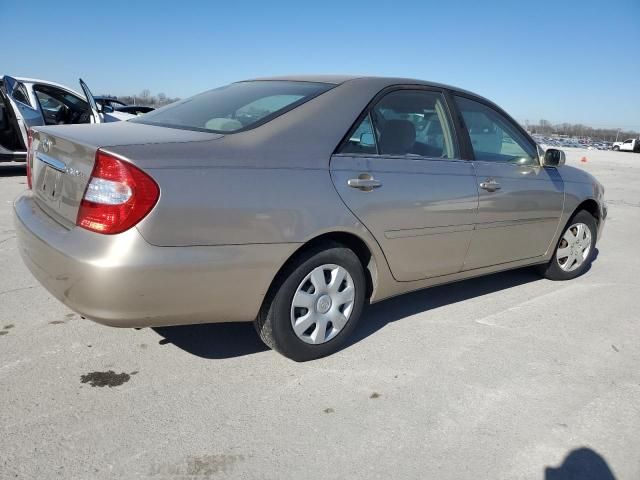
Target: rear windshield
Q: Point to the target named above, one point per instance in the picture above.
(235, 107)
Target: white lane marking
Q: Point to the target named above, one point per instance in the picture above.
(489, 320)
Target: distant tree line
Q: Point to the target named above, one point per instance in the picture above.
(145, 98)
(577, 130)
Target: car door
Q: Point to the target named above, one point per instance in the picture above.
(93, 106)
(12, 144)
(399, 171)
(520, 202)
(26, 113)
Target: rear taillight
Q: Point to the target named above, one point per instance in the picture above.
(117, 197)
(29, 156)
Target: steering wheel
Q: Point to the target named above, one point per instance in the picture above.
(61, 115)
(83, 117)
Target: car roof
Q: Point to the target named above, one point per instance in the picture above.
(47, 82)
(37, 80)
(333, 79)
(380, 81)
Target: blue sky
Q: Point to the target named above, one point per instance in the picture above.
(575, 61)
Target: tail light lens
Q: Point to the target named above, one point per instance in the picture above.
(117, 197)
(29, 156)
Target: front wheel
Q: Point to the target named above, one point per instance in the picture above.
(314, 304)
(575, 249)
(616, 149)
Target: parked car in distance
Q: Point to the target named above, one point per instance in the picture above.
(293, 201)
(27, 102)
(629, 145)
(110, 104)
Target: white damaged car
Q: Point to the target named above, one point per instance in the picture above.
(27, 102)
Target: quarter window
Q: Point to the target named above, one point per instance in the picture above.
(362, 140)
(493, 137)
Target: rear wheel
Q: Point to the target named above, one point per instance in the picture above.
(575, 249)
(314, 304)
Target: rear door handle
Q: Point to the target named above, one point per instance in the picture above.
(366, 184)
(490, 185)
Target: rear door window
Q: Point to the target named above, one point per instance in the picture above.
(413, 123)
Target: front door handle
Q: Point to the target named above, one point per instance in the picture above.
(364, 182)
(490, 185)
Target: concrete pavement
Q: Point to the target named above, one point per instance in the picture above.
(502, 377)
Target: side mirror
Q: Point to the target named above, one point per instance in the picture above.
(367, 140)
(107, 109)
(554, 158)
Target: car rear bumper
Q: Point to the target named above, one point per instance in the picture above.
(121, 280)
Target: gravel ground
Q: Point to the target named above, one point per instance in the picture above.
(504, 377)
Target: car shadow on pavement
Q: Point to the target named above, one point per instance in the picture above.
(378, 315)
(227, 340)
(214, 340)
(581, 464)
(13, 170)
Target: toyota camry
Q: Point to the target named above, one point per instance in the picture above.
(292, 202)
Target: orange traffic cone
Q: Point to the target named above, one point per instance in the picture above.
(583, 159)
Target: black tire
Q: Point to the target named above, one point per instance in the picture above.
(274, 320)
(616, 148)
(552, 270)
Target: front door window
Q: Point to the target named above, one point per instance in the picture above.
(493, 137)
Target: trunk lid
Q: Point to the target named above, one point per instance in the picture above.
(64, 157)
(60, 171)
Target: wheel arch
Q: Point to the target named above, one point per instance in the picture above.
(347, 239)
(591, 206)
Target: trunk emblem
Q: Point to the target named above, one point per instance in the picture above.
(73, 172)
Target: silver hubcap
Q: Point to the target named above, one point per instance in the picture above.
(574, 247)
(322, 304)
